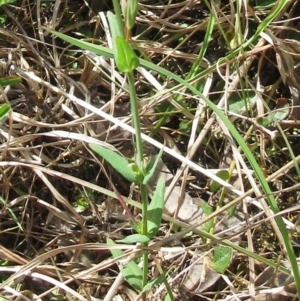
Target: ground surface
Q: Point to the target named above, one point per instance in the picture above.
(58, 204)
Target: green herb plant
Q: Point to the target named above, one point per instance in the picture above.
(136, 171)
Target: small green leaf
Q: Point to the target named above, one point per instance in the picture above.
(135, 238)
(283, 109)
(185, 126)
(155, 208)
(222, 258)
(4, 111)
(231, 211)
(239, 104)
(115, 26)
(137, 226)
(207, 211)
(132, 272)
(10, 80)
(125, 57)
(281, 112)
(57, 295)
(151, 167)
(168, 298)
(4, 2)
(3, 19)
(81, 204)
(224, 175)
(265, 121)
(118, 162)
(129, 10)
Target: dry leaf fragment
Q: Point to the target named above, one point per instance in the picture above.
(288, 59)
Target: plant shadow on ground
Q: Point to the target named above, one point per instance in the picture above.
(46, 204)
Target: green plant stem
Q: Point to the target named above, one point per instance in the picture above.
(145, 270)
(139, 147)
(136, 122)
(139, 159)
(140, 163)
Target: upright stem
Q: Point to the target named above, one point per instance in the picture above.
(136, 122)
(140, 164)
(138, 144)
